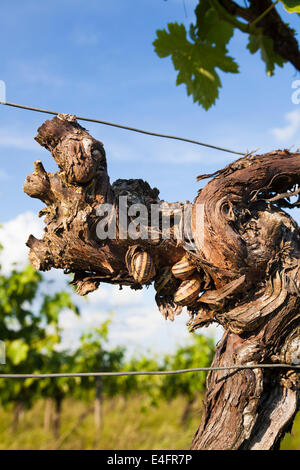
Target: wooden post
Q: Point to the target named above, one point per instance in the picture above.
(98, 406)
(57, 416)
(48, 414)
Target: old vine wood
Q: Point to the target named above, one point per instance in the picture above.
(247, 267)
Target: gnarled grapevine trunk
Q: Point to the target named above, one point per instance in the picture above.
(245, 252)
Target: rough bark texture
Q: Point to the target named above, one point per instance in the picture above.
(248, 265)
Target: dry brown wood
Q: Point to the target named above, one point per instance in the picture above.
(246, 257)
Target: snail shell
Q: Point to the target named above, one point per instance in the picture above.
(188, 291)
(142, 267)
(165, 283)
(183, 269)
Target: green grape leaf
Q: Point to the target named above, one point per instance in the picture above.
(172, 41)
(210, 27)
(269, 56)
(292, 6)
(53, 305)
(198, 56)
(17, 351)
(196, 62)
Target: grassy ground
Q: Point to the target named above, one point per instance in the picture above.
(292, 440)
(125, 426)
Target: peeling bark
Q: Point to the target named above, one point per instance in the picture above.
(246, 254)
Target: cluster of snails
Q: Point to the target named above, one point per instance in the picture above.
(181, 280)
(190, 287)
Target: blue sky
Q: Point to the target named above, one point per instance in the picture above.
(96, 58)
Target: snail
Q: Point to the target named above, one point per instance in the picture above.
(188, 291)
(140, 265)
(165, 284)
(183, 269)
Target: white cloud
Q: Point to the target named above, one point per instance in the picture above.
(85, 38)
(122, 152)
(98, 296)
(39, 72)
(13, 236)
(125, 297)
(180, 158)
(3, 175)
(287, 132)
(68, 320)
(113, 297)
(15, 138)
(143, 326)
(136, 325)
(165, 152)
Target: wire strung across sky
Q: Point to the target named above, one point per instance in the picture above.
(128, 128)
(152, 372)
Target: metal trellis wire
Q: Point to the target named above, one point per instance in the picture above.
(128, 128)
(152, 372)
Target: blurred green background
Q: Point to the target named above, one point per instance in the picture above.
(133, 412)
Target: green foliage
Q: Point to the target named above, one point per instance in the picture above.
(17, 351)
(197, 60)
(29, 342)
(198, 57)
(292, 6)
(58, 388)
(197, 353)
(268, 55)
(93, 355)
(147, 386)
(53, 305)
